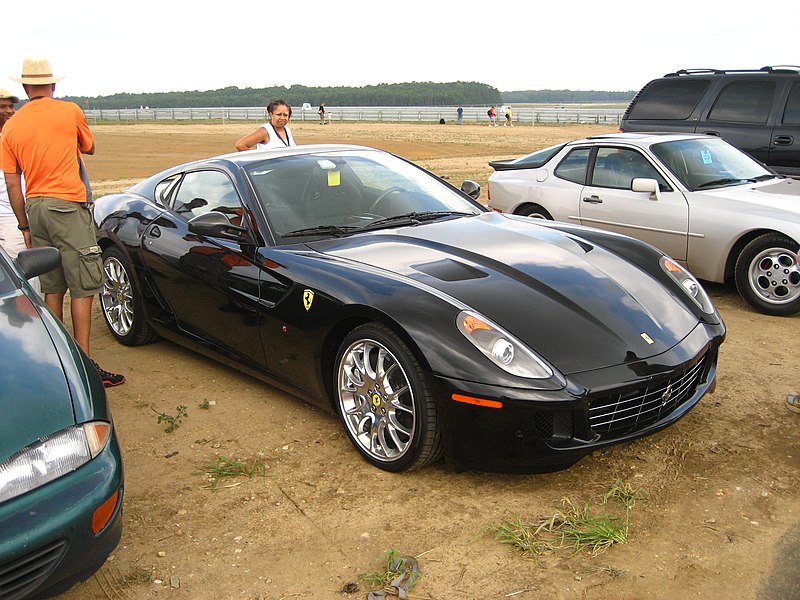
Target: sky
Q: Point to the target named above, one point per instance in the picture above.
(103, 48)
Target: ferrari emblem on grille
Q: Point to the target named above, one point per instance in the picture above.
(647, 338)
(308, 298)
(665, 397)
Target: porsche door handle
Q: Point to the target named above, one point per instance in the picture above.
(783, 140)
(593, 199)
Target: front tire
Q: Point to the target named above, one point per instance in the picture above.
(768, 276)
(385, 400)
(121, 301)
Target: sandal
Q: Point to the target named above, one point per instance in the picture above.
(793, 402)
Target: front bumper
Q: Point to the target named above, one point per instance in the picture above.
(542, 431)
(46, 539)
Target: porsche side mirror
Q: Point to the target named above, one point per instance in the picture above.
(471, 188)
(648, 186)
(216, 224)
(37, 261)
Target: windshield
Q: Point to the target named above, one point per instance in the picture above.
(338, 193)
(705, 163)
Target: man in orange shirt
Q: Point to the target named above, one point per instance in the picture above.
(44, 142)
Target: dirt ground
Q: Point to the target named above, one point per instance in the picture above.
(717, 517)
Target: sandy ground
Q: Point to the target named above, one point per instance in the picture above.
(717, 515)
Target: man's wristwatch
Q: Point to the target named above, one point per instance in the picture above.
(24, 227)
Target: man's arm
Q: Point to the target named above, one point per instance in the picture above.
(15, 195)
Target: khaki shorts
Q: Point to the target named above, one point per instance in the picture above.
(69, 227)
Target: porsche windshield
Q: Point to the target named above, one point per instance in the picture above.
(706, 163)
(333, 193)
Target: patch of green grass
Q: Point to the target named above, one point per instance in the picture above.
(401, 569)
(225, 467)
(579, 528)
(172, 421)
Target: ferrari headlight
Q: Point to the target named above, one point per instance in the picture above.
(51, 457)
(688, 283)
(502, 348)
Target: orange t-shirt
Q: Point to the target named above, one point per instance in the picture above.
(42, 141)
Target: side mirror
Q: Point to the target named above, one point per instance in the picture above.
(647, 186)
(37, 261)
(216, 224)
(471, 188)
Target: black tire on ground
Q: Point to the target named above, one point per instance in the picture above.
(768, 275)
(385, 400)
(535, 211)
(121, 301)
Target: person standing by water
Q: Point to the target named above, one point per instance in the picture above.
(44, 142)
(274, 134)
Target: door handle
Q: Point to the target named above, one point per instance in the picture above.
(714, 133)
(783, 140)
(593, 199)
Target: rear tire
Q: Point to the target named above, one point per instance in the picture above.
(535, 212)
(385, 400)
(121, 301)
(768, 276)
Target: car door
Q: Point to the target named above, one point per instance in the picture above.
(741, 115)
(211, 284)
(784, 152)
(608, 202)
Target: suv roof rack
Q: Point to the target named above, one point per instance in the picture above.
(768, 69)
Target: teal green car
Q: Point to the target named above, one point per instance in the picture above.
(61, 477)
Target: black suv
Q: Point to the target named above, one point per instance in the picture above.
(757, 111)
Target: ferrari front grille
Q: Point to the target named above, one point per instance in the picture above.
(621, 414)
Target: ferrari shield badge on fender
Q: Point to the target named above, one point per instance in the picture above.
(308, 298)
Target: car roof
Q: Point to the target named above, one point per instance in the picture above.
(250, 156)
(639, 138)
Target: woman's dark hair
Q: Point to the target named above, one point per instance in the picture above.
(276, 103)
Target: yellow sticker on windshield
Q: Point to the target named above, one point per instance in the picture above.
(334, 178)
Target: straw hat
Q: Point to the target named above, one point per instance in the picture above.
(6, 95)
(36, 71)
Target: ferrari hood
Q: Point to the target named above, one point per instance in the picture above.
(578, 305)
(29, 411)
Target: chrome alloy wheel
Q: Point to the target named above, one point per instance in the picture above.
(116, 297)
(774, 276)
(376, 400)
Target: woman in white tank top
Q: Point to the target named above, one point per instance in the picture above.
(274, 134)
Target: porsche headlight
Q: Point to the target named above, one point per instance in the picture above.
(688, 283)
(51, 457)
(502, 348)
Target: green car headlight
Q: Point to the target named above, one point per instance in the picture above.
(502, 348)
(51, 457)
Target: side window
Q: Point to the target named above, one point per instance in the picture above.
(791, 115)
(744, 102)
(618, 167)
(573, 167)
(671, 99)
(164, 189)
(203, 191)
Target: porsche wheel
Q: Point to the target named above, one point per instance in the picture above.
(768, 275)
(122, 302)
(385, 400)
(534, 211)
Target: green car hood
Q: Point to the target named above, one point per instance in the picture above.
(35, 397)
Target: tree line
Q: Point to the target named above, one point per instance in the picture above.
(466, 93)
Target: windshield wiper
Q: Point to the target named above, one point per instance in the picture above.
(723, 181)
(321, 230)
(414, 218)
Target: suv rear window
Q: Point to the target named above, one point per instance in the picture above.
(744, 102)
(669, 99)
